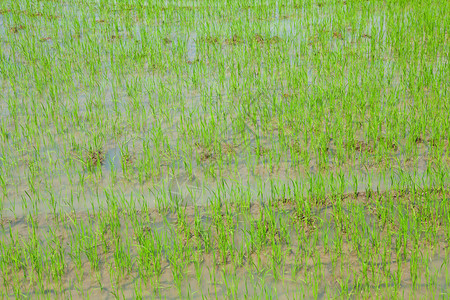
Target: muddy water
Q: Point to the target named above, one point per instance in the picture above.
(242, 280)
(183, 188)
(48, 192)
(64, 191)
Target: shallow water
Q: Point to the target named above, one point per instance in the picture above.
(163, 228)
(184, 189)
(116, 106)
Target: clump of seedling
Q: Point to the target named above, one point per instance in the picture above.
(16, 29)
(359, 146)
(210, 40)
(94, 158)
(264, 41)
(234, 40)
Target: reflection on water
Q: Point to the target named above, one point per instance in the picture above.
(113, 159)
(192, 47)
(2, 26)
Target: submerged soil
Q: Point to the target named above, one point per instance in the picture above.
(386, 244)
(282, 151)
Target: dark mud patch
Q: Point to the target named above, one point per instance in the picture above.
(94, 158)
(234, 40)
(16, 29)
(266, 41)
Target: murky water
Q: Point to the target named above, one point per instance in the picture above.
(185, 189)
(44, 173)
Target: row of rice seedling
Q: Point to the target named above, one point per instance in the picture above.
(388, 242)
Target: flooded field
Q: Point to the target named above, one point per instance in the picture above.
(224, 149)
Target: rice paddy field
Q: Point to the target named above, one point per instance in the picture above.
(290, 149)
